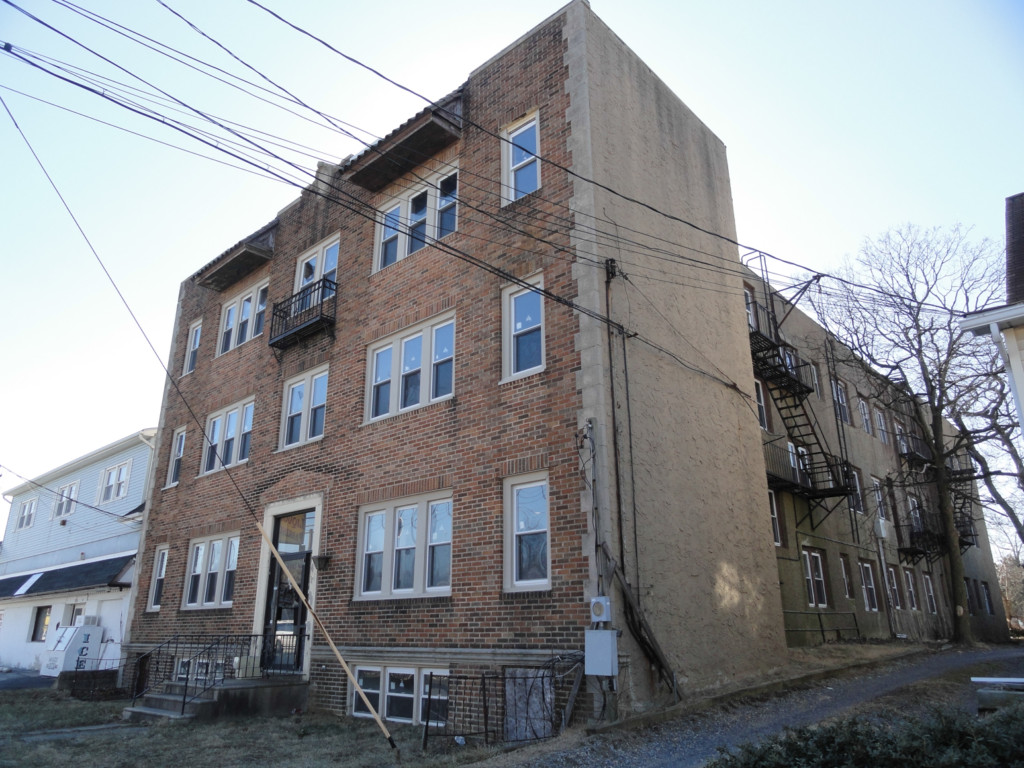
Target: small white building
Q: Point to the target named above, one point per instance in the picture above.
(68, 554)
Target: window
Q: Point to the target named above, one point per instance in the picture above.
(879, 493)
(40, 623)
(27, 514)
(210, 581)
(156, 589)
(894, 588)
(412, 369)
(865, 416)
(844, 563)
(916, 524)
(195, 331)
(411, 695)
(527, 551)
(305, 408)
(841, 403)
(814, 380)
(762, 412)
(908, 582)
(242, 318)
(115, 482)
(409, 224)
(520, 167)
(319, 264)
(867, 586)
(228, 437)
(880, 430)
(177, 452)
(522, 330)
(798, 463)
(901, 437)
(748, 301)
(406, 549)
(66, 496)
(814, 577)
(929, 593)
(774, 511)
(856, 498)
(988, 598)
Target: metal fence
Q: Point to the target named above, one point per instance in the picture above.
(516, 705)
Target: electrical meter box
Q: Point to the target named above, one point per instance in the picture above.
(601, 652)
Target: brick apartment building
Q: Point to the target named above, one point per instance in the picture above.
(860, 545)
(467, 384)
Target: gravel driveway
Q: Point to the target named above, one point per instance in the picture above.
(692, 740)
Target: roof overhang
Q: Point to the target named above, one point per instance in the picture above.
(236, 264)
(980, 323)
(410, 145)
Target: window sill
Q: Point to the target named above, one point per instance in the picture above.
(370, 600)
(522, 375)
(415, 409)
(292, 447)
(190, 608)
(525, 593)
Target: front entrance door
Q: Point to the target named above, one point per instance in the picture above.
(284, 629)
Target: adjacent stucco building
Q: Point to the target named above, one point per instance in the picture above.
(69, 551)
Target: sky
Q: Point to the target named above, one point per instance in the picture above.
(842, 120)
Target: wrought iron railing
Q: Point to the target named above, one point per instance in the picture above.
(310, 310)
(191, 665)
(913, 448)
(823, 623)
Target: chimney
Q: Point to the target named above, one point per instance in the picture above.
(1015, 249)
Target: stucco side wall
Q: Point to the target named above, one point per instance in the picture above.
(692, 483)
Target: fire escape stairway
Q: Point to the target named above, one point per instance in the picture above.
(818, 476)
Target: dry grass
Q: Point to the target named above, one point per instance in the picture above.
(313, 739)
(45, 709)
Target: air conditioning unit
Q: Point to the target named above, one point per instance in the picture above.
(881, 528)
(600, 609)
(90, 621)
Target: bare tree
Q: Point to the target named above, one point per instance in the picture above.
(896, 307)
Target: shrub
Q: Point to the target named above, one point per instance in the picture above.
(944, 739)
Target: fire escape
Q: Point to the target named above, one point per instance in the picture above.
(802, 465)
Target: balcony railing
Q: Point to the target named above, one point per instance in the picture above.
(812, 475)
(311, 310)
(913, 448)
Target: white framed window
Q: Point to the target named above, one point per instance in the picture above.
(305, 408)
(879, 493)
(27, 514)
(842, 403)
(880, 430)
(527, 533)
(402, 694)
(195, 332)
(867, 586)
(929, 593)
(66, 497)
(762, 411)
(894, 588)
(865, 416)
(520, 164)
(115, 482)
(177, 453)
(422, 216)
(748, 302)
(405, 548)
(210, 580)
(774, 511)
(856, 497)
(320, 263)
(522, 330)
(243, 318)
(40, 623)
(228, 436)
(156, 587)
(411, 369)
(902, 446)
(814, 380)
(911, 586)
(844, 564)
(814, 579)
